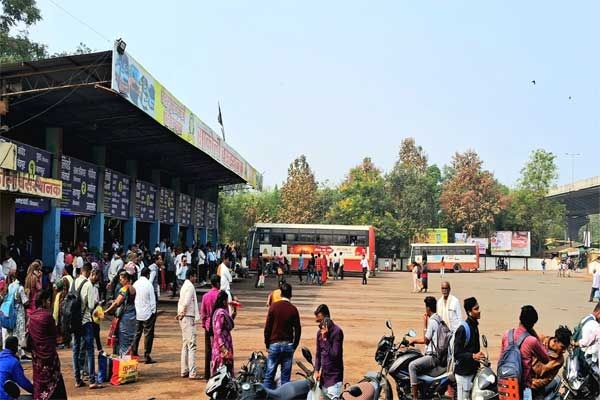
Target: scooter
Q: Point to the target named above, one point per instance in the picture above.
(484, 382)
(581, 378)
(396, 358)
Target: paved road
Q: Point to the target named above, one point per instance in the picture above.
(361, 311)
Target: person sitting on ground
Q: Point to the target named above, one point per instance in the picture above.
(11, 369)
(544, 375)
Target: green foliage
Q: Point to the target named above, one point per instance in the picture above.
(414, 189)
(298, 194)
(529, 208)
(19, 15)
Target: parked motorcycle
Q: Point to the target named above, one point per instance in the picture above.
(395, 360)
(581, 378)
(485, 384)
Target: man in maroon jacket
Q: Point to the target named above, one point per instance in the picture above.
(329, 358)
(282, 336)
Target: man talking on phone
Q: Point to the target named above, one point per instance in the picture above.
(329, 360)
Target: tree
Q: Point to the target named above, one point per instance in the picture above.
(414, 188)
(471, 197)
(363, 200)
(298, 194)
(16, 47)
(529, 208)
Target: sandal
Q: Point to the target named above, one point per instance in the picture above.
(96, 386)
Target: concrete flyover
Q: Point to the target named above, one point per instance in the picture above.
(582, 199)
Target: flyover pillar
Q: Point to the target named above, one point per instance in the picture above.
(575, 223)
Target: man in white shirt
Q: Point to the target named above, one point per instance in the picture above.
(155, 268)
(86, 334)
(589, 325)
(145, 313)
(448, 308)
(8, 265)
(226, 277)
(595, 284)
(188, 316)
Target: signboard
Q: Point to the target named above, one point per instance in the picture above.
(435, 236)
(511, 243)
(184, 209)
(134, 83)
(116, 194)
(501, 241)
(18, 182)
(211, 215)
(166, 206)
(145, 201)
(35, 162)
(80, 185)
(460, 237)
(520, 244)
(199, 213)
(482, 244)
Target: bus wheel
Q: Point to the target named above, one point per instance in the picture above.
(457, 268)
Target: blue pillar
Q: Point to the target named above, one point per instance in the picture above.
(174, 233)
(97, 231)
(189, 236)
(203, 237)
(215, 237)
(51, 235)
(154, 234)
(130, 231)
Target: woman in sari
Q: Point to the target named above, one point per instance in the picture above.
(47, 380)
(222, 325)
(127, 323)
(33, 284)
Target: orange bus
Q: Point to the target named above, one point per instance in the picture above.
(352, 241)
(449, 256)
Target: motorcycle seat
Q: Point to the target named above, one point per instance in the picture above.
(433, 374)
(368, 392)
(288, 391)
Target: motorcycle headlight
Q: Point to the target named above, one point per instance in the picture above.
(485, 379)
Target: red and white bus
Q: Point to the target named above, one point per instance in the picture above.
(449, 256)
(352, 241)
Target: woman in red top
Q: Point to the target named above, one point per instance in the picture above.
(323, 260)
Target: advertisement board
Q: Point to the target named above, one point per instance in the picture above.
(435, 236)
(80, 185)
(460, 237)
(34, 162)
(134, 83)
(501, 241)
(166, 206)
(199, 214)
(184, 209)
(211, 215)
(145, 201)
(19, 182)
(521, 244)
(116, 194)
(482, 244)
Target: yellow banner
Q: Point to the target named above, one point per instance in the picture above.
(19, 182)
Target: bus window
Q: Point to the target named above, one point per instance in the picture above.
(264, 238)
(470, 251)
(306, 238)
(289, 237)
(276, 240)
(326, 239)
(361, 240)
(339, 240)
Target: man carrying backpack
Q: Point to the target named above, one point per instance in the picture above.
(85, 332)
(519, 347)
(467, 349)
(432, 326)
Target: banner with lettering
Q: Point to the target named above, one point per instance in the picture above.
(80, 185)
(116, 194)
(145, 201)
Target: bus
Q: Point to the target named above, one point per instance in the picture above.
(352, 241)
(449, 256)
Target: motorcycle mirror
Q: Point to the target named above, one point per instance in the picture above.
(307, 354)
(388, 323)
(412, 333)
(484, 340)
(355, 391)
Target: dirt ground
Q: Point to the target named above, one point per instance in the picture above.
(361, 311)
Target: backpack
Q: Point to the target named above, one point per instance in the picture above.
(577, 334)
(8, 319)
(510, 369)
(451, 361)
(72, 312)
(443, 336)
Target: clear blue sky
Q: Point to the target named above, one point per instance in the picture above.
(342, 80)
